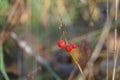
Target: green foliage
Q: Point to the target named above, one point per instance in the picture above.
(36, 8)
(2, 21)
(4, 5)
(42, 76)
(47, 32)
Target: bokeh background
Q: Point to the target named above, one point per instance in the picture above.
(31, 51)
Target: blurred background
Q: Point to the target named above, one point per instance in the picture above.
(31, 52)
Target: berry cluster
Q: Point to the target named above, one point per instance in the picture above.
(68, 48)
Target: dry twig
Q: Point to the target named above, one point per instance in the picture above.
(115, 43)
(98, 47)
(12, 21)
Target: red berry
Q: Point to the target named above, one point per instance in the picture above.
(73, 45)
(68, 48)
(61, 43)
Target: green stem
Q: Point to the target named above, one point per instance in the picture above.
(2, 66)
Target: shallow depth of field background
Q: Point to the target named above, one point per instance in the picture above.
(31, 51)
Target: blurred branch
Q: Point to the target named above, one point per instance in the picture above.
(30, 52)
(99, 45)
(116, 51)
(13, 20)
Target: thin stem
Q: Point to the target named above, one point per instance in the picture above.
(115, 48)
(107, 69)
(80, 69)
(115, 33)
(2, 64)
(64, 35)
(91, 76)
(63, 29)
(91, 14)
(107, 58)
(116, 9)
(107, 10)
(115, 59)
